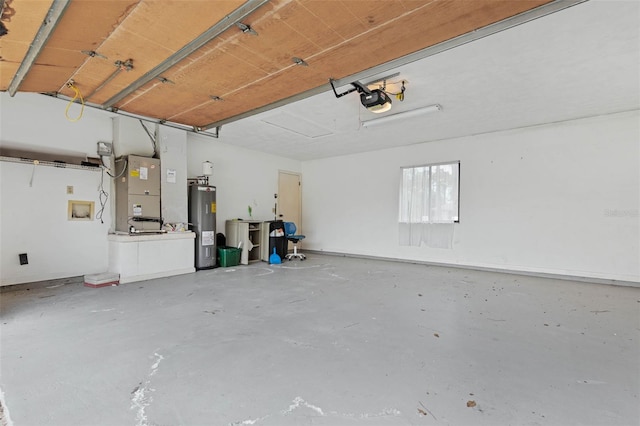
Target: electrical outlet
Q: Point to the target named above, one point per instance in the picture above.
(24, 260)
(69, 189)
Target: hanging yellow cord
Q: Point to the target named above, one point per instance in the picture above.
(73, 87)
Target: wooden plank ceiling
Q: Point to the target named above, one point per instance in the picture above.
(236, 72)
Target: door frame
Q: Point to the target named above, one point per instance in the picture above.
(280, 188)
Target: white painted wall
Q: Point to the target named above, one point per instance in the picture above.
(58, 248)
(560, 198)
(38, 122)
(172, 146)
(242, 177)
(33, 219)
(130, 138)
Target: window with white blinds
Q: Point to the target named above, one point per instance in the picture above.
(430, 194)
(429, 204)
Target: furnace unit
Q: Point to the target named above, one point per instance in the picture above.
(138, 194)
(202, 217)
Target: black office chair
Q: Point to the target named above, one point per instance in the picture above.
(290, 233)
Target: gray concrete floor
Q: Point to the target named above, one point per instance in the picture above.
(327, 341)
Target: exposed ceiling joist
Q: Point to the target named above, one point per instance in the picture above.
(221, 26)
(56, 11)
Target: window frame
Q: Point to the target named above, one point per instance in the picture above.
(429, 165)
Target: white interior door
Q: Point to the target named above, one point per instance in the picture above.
(289, 198)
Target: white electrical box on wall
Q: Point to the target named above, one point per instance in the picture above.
(105, 148)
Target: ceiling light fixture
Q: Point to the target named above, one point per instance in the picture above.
(402, 115)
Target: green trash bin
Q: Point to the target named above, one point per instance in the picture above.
(229, 256)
